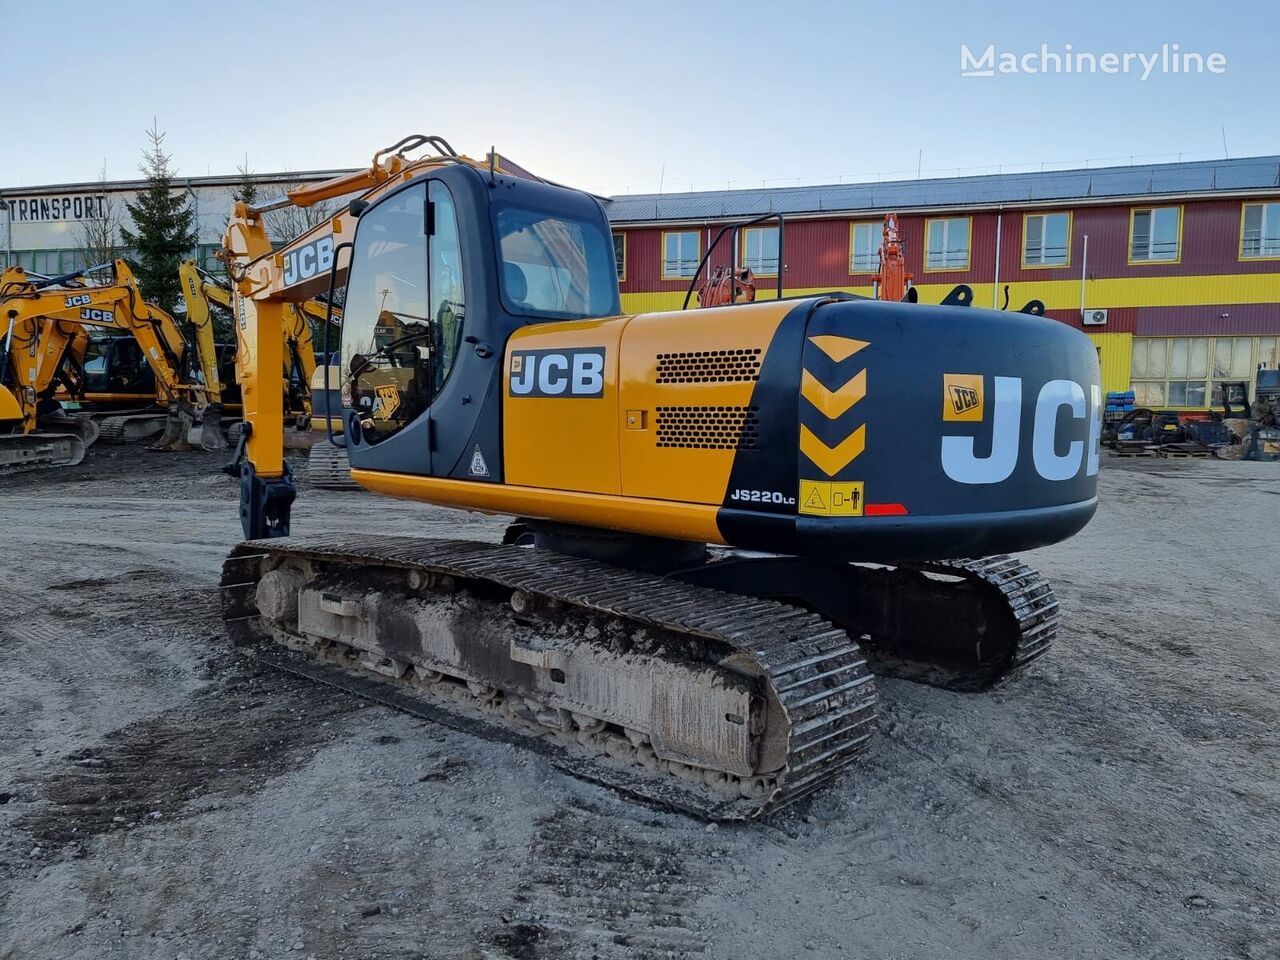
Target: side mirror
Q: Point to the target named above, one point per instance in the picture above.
(357, 207)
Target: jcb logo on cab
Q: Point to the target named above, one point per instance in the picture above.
(557, 373)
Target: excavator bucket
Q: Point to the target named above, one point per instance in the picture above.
(207, 433)
(178, 426)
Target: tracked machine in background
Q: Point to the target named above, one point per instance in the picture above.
(46, 321)
(724, 530)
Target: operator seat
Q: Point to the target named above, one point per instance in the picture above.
(516, 285)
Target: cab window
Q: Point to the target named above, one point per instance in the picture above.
(554, 266)
(403, 317)
(444, 280)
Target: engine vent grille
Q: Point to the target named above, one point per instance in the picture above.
(708, 428)
(710, 366)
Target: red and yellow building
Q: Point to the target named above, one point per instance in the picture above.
(1172, 269)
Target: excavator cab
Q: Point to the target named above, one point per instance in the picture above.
(116, 371)
(443, 271)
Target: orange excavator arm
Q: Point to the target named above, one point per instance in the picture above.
(892, 280)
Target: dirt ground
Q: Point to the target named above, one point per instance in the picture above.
(160, 797)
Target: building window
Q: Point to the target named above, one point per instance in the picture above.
(1190, 371)
(760, 250)
(1260, 232)
(864, 247)
(55, 262)
(680, 253)
(1046, 239)
(947, 244)
(620, 255)
(1154, 234)
(207, 258)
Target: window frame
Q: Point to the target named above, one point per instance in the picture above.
(619, 235)
(1133, 212)
(1210, 379)
(349, 381)
(853, 225)
(968, 247)
(1023, 245)
(742, 249)
(697, 254)
(1241, 255)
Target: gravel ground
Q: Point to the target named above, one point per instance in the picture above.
(162, 797)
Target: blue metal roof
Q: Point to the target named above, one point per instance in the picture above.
(1149, 180)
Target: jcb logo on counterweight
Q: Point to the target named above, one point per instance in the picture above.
(1061, 445)
(962, 398)
(557, 373)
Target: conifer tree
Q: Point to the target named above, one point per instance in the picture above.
(247, 190)
(164, 227)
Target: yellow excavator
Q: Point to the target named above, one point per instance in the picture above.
(44, 319)
(726, 525)
(303, 379)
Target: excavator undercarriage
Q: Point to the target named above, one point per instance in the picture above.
(725, 687)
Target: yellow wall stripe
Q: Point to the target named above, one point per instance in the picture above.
(1056, 294)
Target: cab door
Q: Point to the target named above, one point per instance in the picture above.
(403, 322)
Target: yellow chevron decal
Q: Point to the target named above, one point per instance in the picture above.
(838, 348)
(831, 460)
(833, 402)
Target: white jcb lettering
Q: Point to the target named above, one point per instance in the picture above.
(522, 382)
(547, 383)
(1044, 439)
(306, 262)
(960, 463)
(588, 373)
(557, 373)
(1095, 428)
(958, 459)
(324, 254)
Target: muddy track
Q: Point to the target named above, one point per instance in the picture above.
(594, 888)
(235, 737)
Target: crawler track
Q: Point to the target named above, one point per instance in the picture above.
(132, 428)
(329, 468)
(813, 701)
(39, 451)
(1024, 620)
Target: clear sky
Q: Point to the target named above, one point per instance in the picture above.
(619, 97)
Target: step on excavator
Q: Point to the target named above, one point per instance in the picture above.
(724, 530)
(45, 319)
(304, 380)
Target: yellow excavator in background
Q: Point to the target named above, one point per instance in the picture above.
(726, 525)
(43, 319)
(303, 378)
